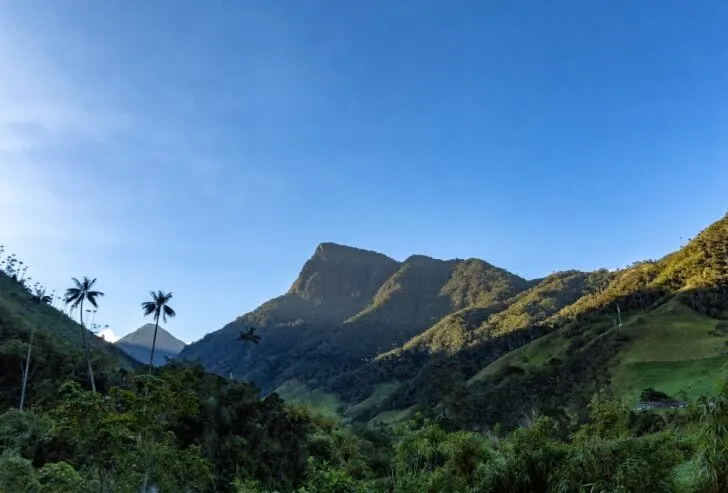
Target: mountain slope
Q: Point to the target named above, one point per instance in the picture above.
(18, 302)
(349, 305)
(472, 342)
(463, 342)
(138, 345)
(57, 353)
(334, 284)
(673, 337)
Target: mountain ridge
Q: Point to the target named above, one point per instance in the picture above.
(359, 300)
(356, 321)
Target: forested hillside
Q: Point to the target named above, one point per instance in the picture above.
(423, 333)
(348, 306)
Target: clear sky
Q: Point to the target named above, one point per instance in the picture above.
(206, 148)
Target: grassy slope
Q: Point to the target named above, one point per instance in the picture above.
(392, 418)
(669, 348)
(536, 353)
(330, 403)
(380, 393)
(295, 391)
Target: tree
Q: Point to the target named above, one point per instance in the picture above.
(39, 297)
(157, 307)
(248, 336)
(75, 296)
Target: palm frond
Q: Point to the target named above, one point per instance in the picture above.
(169, 312)
(91, 297)
(158, 306)
(149, 307)
(72, 297)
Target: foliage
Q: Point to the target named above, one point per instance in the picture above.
(650, 394)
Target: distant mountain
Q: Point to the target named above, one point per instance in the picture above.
(138, 344)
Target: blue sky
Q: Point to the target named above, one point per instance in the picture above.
(206, 148)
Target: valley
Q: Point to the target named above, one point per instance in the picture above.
(366, 364)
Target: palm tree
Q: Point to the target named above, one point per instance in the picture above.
(157, 307)
(249, 336)
(39, 297)
(75, 296)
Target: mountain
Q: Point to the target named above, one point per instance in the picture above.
(138, 345)
(476, 344)
(348, 305)
(655, 324)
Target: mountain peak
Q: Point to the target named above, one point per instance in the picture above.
(337, 272)
(138, 344)
(336, 252)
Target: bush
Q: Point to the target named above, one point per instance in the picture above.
(59, 477)
(17, 474)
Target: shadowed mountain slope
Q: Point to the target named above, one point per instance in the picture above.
(349, 305)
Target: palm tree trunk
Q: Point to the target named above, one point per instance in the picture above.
(154, 343)
(27, 368)
(88, 355)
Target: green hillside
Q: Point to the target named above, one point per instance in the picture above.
(673, 349)
(673, 338)
(57, 351)
(17, 302)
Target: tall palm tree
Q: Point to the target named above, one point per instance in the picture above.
(157, 307)
(249, 336)
(75, 296)
(39, 297)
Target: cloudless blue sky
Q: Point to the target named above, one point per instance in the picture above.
(207, 147)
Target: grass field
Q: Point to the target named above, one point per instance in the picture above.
(531, 355)
(392, 418)
(381, 392)
(671, 349)
(671, 333)
(681, 379)
(330, 404)
(295, 391)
